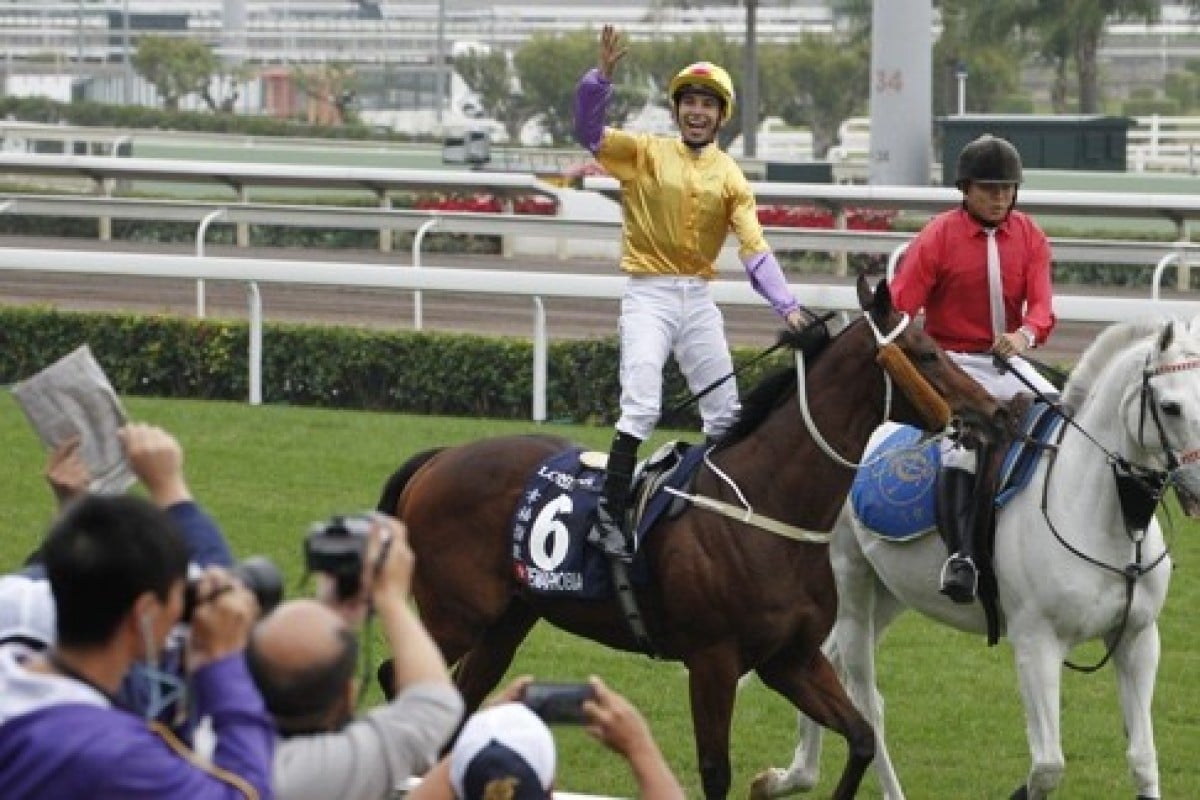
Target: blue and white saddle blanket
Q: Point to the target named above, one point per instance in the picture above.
(557, 509)
(895, 496)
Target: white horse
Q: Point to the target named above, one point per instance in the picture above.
(1063, 547)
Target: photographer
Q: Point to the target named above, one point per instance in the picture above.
(303, 656)
(26, 605)
(507, 750)
(117, 567)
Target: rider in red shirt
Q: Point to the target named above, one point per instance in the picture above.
(945, 271)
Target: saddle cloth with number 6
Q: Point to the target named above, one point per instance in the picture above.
(550, 525)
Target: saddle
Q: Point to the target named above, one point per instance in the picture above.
(894, 495)
(1006, 470)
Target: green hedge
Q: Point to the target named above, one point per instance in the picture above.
(337, 367)
(41, 109)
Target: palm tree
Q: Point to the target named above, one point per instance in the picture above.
(1067, 34)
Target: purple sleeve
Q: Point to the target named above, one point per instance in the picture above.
(245, 733)
(592, 94)
(205, 542)
(767, 279)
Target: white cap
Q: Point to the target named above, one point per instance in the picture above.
(507, 743)
(26, 611)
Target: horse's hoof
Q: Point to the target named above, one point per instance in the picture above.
(1020, 794)
(772, 782)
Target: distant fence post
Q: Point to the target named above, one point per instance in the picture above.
(385, 233)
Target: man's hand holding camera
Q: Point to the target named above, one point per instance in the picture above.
(390, 565)
(362, 563)
(369, 555)
(224, 613)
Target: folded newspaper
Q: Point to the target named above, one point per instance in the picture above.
(73, 397)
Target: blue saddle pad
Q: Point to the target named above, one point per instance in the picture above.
(894, 495)
(1040, 424)
(550, 552)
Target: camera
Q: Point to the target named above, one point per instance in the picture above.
(259, 574)
(338, 547)
(558, 702)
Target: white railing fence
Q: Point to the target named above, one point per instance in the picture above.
(535, 285)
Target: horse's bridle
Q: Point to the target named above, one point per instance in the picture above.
(907, 381)
(1148, 401)
(911, 383)
(1140, 490)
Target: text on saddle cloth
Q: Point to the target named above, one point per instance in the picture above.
(557, 509)
(895, 496)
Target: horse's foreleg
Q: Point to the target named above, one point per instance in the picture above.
(810, 683)
(712, 684)
(1039, 658)
(490, 656)
(1136, 661)
(802, 774)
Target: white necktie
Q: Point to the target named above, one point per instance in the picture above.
(995, 287)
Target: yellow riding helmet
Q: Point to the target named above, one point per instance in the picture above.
(705, 75)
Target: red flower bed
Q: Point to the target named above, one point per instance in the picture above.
(859, 219)
(484, 203)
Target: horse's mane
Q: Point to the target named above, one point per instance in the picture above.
(778, 385)
(1100, 354)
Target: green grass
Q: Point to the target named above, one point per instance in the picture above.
(954, 717)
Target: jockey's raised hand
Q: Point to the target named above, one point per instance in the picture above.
(612, 50)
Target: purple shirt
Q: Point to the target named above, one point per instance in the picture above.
(80, 746)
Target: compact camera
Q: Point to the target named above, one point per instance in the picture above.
(259, 574)
(558, 702)
(338, 547)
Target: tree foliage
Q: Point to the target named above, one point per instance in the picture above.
(175, 67)
(1065, 34)
(818, 81)
(547, 68)
(988, 46)
(489, 76)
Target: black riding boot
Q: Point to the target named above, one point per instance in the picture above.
(611, 533)
(956, 512)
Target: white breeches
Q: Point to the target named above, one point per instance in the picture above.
(665, 316)
(1002, 386)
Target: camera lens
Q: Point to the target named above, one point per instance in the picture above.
(337, 547)
(259, 574)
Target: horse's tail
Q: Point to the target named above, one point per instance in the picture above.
(390, 496)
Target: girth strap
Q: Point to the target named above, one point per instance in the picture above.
(751, 517)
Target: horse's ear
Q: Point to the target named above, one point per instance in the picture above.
(865, 301)
(1166, 336)
(883, 298)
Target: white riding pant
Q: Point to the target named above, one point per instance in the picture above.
(665, 316)
(1001, 385)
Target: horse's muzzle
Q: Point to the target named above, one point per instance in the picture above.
(1189, 501)
(975, 429)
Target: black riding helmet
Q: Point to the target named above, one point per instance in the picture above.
(988, 159)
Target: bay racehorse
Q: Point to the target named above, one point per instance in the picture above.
(1079, 556)
(726, 598)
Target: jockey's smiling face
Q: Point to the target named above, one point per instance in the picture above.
(698, 115)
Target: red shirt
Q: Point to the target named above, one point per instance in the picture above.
(944, 271)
